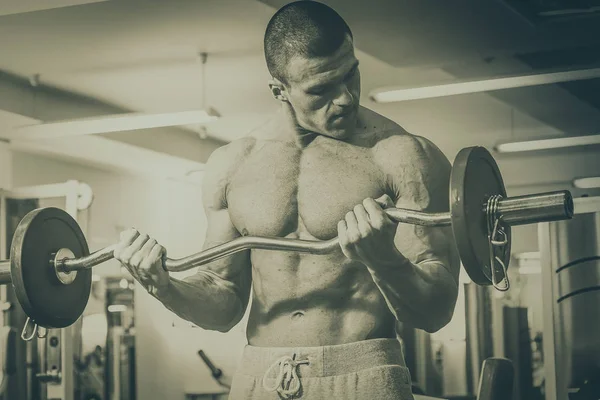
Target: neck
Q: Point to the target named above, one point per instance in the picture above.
(292, 130)
(288, 128)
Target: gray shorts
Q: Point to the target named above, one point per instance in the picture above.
(365, 370)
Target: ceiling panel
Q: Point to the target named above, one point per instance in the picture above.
(437, 33)
(142, 55)
(8, 7)
(120, 35)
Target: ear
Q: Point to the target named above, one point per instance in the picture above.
(277, 89)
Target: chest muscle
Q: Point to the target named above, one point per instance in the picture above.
(281, 190)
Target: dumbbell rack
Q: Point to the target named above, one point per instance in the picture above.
(56, 355)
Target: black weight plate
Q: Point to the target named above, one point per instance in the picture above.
(45, 299)
(475, 178)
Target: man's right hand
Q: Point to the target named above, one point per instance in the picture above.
(143, 257)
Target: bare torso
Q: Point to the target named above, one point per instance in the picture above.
(285, 190)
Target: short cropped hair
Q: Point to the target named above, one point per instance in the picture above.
(302, 28)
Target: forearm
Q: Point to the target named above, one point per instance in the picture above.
(204, 299)
(423, 294)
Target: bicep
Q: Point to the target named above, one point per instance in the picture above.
(219, 230)
(425, 187)
(430, 247)
(233, 269)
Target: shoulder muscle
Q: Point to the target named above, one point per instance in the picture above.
(221, 165)
(416, 170)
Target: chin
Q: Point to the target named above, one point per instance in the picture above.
(340, 134)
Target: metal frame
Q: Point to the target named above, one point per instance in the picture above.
(78, 196)
(77, 192)
(115, 387)
(497, 324)
(3, 250)
(5, 305)
(554, 383)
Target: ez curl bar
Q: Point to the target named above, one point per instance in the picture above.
(50, 263)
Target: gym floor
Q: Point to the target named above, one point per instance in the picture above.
(71, 60)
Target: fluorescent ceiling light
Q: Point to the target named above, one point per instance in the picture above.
(545, 144)
(569, 11)
(8, 7)
(117, 308)
(587, 183)
(115, 155)
(388, 95)
(586, 205)
(112, 123)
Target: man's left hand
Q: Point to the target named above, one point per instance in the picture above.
(367, 233)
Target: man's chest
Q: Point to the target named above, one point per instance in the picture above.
(284, 191)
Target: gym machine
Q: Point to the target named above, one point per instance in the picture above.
(47, 361)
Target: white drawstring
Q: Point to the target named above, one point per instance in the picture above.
(287, 373)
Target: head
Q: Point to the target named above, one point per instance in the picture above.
(309, 51)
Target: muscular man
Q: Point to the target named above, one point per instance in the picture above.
(320, 326)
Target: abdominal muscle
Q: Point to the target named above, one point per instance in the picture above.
(302, 300)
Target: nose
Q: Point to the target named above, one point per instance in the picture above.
(344, 97)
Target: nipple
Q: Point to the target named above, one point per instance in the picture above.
(297, 315)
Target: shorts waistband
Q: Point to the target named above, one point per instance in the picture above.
(324, 360)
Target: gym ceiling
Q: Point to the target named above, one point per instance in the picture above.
(62, 59)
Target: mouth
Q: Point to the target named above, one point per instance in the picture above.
(343, 116)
